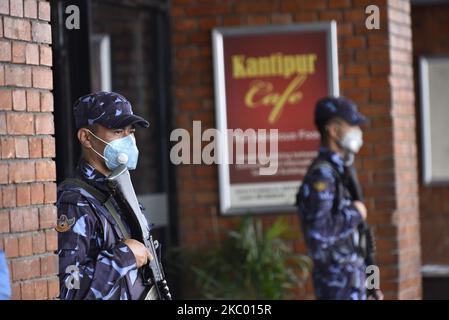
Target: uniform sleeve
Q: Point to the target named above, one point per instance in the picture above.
(5, 288)
(323, 228)
(98, 277)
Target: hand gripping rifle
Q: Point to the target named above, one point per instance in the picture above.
(120, 183)
(367, 241)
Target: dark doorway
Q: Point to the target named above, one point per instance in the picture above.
(121, 46)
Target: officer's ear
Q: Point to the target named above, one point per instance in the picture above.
(335, 129)
(84, 137)
(332, 130)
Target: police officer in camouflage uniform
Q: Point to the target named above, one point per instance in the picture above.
(96, 261)
(329, 217)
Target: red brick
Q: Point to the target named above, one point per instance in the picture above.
(39, 243)
(316, 4)
(255, 7)
(33, 100)
(45, 171)
(35, 145)
(46, 55)
(41, 290)
(23, 195)
(5, 51)
(37, 193)
(46, 101)
(2, 75)
(30, 9)
(21, 172)
(5, 99)
(48, 147)
(345, 29)
(19, 100)
(11, 246)
(256, 20)
(14, 28)
(355, 15)
(4, 7)
(185, 24)
(8, 148)
(3, 173)
(26, 268)
(41, 32)
(354, 42)
(380, 68)
(53, 288)
(25, 245)
(21, 147)
(20, 123)
(281, 18)
(356, 69)
(50, 192)
(16, 294)
(51, 240)
(9, 196)
(44, 123)
(24, 219)
(17, 75)
(44, 10)
(2, 123)
(331, 15)
(16, 8)
(47, 217)
(232, 21)
(306, 16)
(32, 54)
(49, 265)
(18, 52)
(199, 10)
(42, 78)
(339, 4)
(4, 222)
(28, 291)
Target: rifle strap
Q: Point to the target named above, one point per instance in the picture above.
(102, 198)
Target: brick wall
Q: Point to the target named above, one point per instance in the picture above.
(375, 71)
(430, 29)
(27, 170)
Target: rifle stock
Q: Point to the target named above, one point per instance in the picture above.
(153, 273)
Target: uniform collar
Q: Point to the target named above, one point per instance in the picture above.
(334, 158)
(91, 175)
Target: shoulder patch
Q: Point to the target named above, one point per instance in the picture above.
(64, 224)
(320, 186)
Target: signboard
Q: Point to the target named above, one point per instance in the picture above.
(434, 73)
(267, 80)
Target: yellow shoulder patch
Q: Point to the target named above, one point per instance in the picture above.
(319, 186)
(64, 224)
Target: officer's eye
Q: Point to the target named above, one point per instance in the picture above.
(118, 131)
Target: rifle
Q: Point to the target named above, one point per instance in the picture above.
(367, 240)
(153, 274)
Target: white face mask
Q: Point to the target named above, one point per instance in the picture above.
(352, 141)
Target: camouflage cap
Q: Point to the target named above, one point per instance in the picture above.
(333, 107)
(109, 109)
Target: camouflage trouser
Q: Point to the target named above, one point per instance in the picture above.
(340, 282)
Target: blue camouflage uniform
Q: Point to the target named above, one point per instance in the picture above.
(328, 218)
(89, 239)
(5, 287)
(331, 233)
